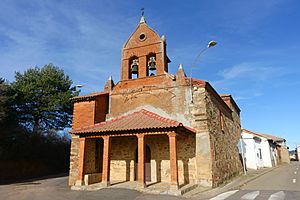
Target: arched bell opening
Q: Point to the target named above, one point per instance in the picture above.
(133, 67)
(151, 64)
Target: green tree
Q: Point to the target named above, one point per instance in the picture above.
(42, 98)
(4, 100)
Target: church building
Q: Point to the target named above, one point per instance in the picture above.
(154, 127)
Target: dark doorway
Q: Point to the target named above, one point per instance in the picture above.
(147, 163)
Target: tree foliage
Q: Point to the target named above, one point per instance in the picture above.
(42, 98)
(4, 100)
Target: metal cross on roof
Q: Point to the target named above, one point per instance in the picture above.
(142, 9)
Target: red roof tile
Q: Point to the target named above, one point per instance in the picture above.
(139, 120)
(195, 81)
(88, 96)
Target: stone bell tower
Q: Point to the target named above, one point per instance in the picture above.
(144, 54)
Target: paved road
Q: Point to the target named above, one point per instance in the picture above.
(57, 189)
(282, 183)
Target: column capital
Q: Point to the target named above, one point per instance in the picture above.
(105, 137)
(172, 134)
(140, 135)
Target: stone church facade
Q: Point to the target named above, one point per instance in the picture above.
(153, 126)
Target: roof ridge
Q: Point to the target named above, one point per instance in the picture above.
(265, 135)
(160, 118)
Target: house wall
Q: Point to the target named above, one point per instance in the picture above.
(269, 155)
(83, 113)
(224, 136)
(284, 154)
(250, 152)
(199, 120)
(266, 153)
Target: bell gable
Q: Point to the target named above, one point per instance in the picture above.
(144, 54)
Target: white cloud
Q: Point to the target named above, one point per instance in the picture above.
(247, 80)
(249, 72)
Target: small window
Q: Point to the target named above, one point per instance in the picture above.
(142, 37)
(222, 123)
(260, 155)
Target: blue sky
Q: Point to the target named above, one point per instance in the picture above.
(257, 58)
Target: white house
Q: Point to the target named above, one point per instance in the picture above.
(259, 151)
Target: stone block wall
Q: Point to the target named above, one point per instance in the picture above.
(124, 166)
(198, 117)
(283, 155)
(224, 136)
(122, 155)
(74, 160)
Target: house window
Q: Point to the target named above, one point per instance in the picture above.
(260, 155)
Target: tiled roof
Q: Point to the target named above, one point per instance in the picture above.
(272, 137)
(267, 136)
(139, 120)
(88, 96)
(195, 81)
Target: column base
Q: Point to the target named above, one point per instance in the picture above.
(105, 183)
(174, 190)
(174, 187)
(79, 183)
(141, 185)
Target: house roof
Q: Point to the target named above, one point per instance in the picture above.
(88, 96)
(139, 120)
(267, 136)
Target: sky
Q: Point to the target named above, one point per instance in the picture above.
(257, 58)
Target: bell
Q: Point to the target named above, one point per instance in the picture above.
(135, 66)
(134, 69)
(152, 64)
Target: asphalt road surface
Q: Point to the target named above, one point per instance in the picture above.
(57, 189)
(282, 183)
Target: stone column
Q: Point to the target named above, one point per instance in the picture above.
(173, 160)
(80, 175)
(106, 161)
(141, 161)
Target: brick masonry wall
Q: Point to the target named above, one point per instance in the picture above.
(101, 106)
(83, 114)
(141, 48)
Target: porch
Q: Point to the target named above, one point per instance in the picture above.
(121, 153)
